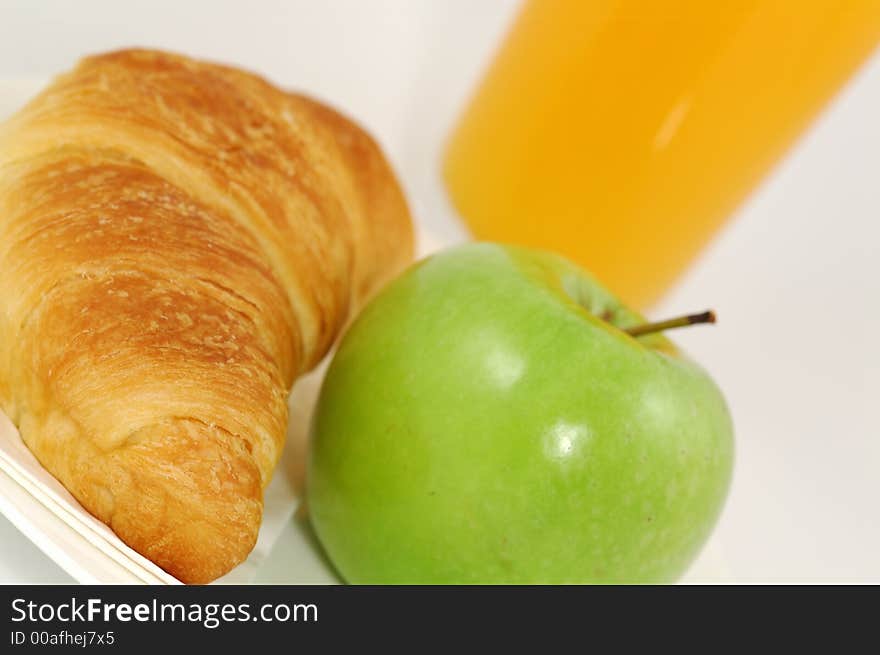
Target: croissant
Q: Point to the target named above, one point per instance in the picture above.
(179, 241)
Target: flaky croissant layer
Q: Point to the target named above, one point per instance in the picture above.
(178, 242)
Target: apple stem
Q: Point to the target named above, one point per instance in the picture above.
(681, 321)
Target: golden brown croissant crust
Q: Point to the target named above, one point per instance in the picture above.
(178, 242)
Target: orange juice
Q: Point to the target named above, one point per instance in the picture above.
(622, 134)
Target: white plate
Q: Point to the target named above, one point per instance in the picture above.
(286, 550)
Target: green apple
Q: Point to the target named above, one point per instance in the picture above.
(487, 419)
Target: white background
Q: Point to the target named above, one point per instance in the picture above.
(794, 277)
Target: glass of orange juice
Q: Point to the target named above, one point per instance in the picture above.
(622, 133)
